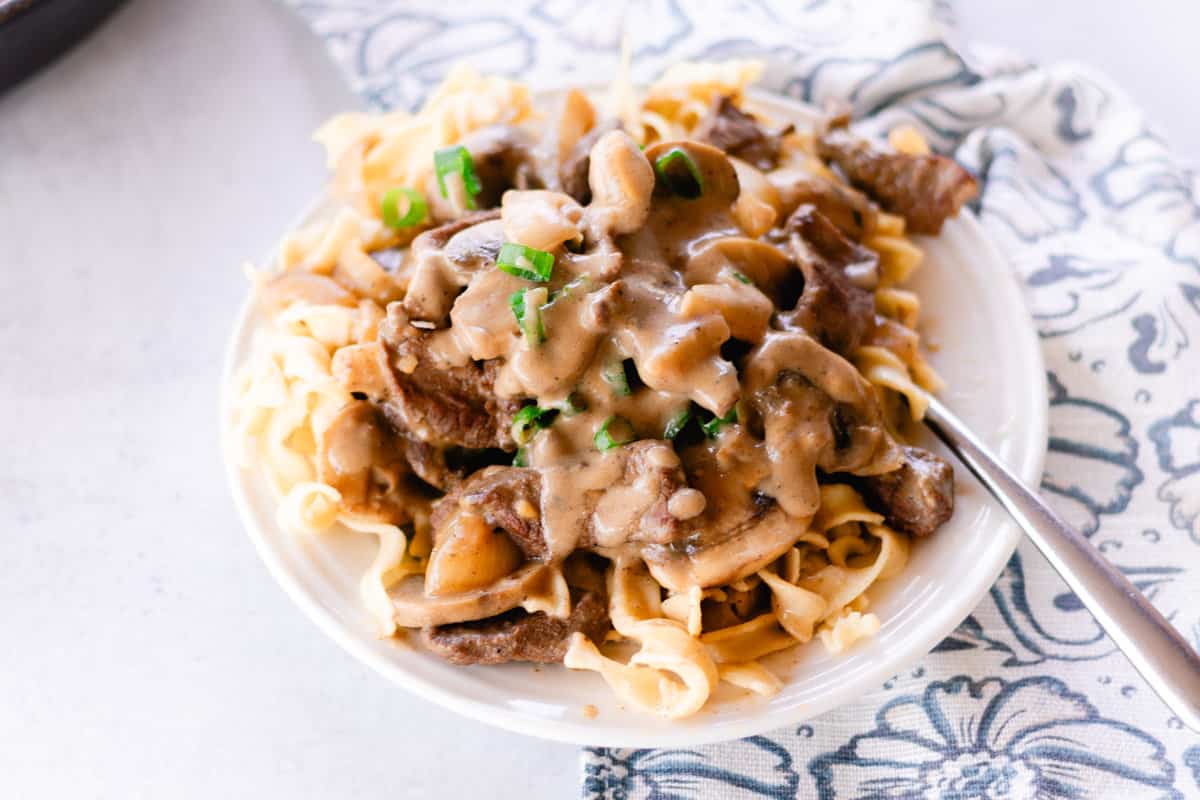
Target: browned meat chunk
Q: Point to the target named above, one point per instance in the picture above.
(924, 189)
(849, 209)
(440, 404)
(918, 497)
(364, 371)
(372, 466)
(836, 307)
(518, 636)
(728, 128)
(573, 172)
(510, 499)
(503, 159)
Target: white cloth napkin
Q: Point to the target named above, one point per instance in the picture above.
(1027, 698)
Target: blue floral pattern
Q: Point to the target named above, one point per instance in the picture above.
(1177, 443)
(962, 739)
(1027, 698)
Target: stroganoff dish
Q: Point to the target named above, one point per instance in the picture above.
(620, 385)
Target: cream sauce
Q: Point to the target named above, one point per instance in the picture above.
(666, 282)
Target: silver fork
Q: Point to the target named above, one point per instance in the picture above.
(1156, 650)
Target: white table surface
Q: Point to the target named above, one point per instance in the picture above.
(147, 653)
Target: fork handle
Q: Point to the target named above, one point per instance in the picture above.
(1158, 651)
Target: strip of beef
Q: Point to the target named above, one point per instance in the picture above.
(366, 372)
(837, 306)
(439, 403)
(726, 127)
(372, 466)
(573, 172)
(924, 189)
(510, 499)
(916, 498)
(519, 636)
(849, 209)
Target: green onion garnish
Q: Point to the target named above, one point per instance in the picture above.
(390, 206)
(677, 423)
(741, 277)
(575, 403)
(525, 262)
(614, 375)
(680, 173)
(607, 438)
(713, 426)
(520, 458)
(529, 420)
(527, 307)
(456, 161)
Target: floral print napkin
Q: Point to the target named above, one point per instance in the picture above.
(1027, 698)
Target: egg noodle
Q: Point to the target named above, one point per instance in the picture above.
(675, 634)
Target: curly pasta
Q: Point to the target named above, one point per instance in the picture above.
(328, 295)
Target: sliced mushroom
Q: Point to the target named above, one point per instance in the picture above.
(718, 178)
(622, 182)
(443, 266)
(540, 219)
(740, 530)
(415, 609)
(815, 408)
(765, 265)
(361, 456)
(574, 168)
(729, 554)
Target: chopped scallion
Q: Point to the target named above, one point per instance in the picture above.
(680, 173)
(616, 378)
(415, 207)
(677, 423)
(456, 160)
(529, 420)
(713, 426)
(615, 432)
(520, 458)
(525, 262)
(742, 277)
(527, 307)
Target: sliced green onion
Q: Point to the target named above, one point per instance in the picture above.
(680, 173)
(677, 423)
(713, 426)
(414, 213)
(456, 161)
(527, 307)
(741, 277)
(608, 436)
(525, 262)
(616, 378)
(529, 420)
(520, 458)
(575, 403)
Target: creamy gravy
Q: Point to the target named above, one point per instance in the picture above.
(666, 282)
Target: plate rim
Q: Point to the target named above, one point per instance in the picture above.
(578, 732)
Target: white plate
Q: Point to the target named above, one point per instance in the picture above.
(987, 351)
